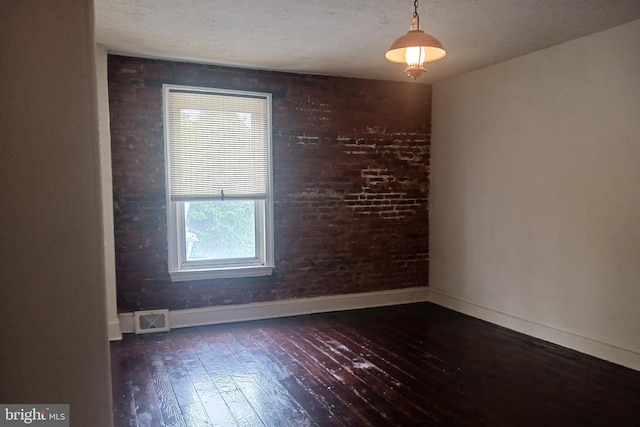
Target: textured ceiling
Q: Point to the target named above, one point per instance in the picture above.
(334, 37)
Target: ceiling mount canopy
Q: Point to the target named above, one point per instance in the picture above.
(415, 48)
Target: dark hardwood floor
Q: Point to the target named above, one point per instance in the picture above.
(413, 365)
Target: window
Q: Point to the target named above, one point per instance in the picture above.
(219, 186)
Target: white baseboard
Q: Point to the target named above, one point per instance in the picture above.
(300, 306)
(616, 354)
(284, 308)
(114, 330)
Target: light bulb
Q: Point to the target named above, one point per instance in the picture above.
(414, 55)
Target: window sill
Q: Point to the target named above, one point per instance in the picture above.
(220, 273)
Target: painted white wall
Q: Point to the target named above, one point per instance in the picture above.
(535, 194)
(106, 183)
(53, 328)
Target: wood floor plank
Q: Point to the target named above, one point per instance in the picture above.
(124, 411)
(373, 409)
(313, 395)
(145, 398)
(413, 365)
(313, 403)
(403, 364)
(198, 397)
(169, 406)
(318, 383)
(214, 356)
(182, 364)
(402, 390)
(381, 394)
(280, 407)
(195, 414)
(433, 373)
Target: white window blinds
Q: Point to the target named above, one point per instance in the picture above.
(218, 144)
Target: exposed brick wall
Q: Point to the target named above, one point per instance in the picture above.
(351, 180)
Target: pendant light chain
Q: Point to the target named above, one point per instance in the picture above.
(415, 14)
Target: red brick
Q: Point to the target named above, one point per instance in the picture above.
(351, 163)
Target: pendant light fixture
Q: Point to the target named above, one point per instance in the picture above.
(415, 48)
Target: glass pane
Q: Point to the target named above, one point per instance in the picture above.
(218, 230)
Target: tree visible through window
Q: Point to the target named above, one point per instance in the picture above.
(220, 230)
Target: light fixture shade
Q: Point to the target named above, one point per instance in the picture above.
(433, 49)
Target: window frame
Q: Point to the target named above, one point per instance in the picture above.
(180, 269)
